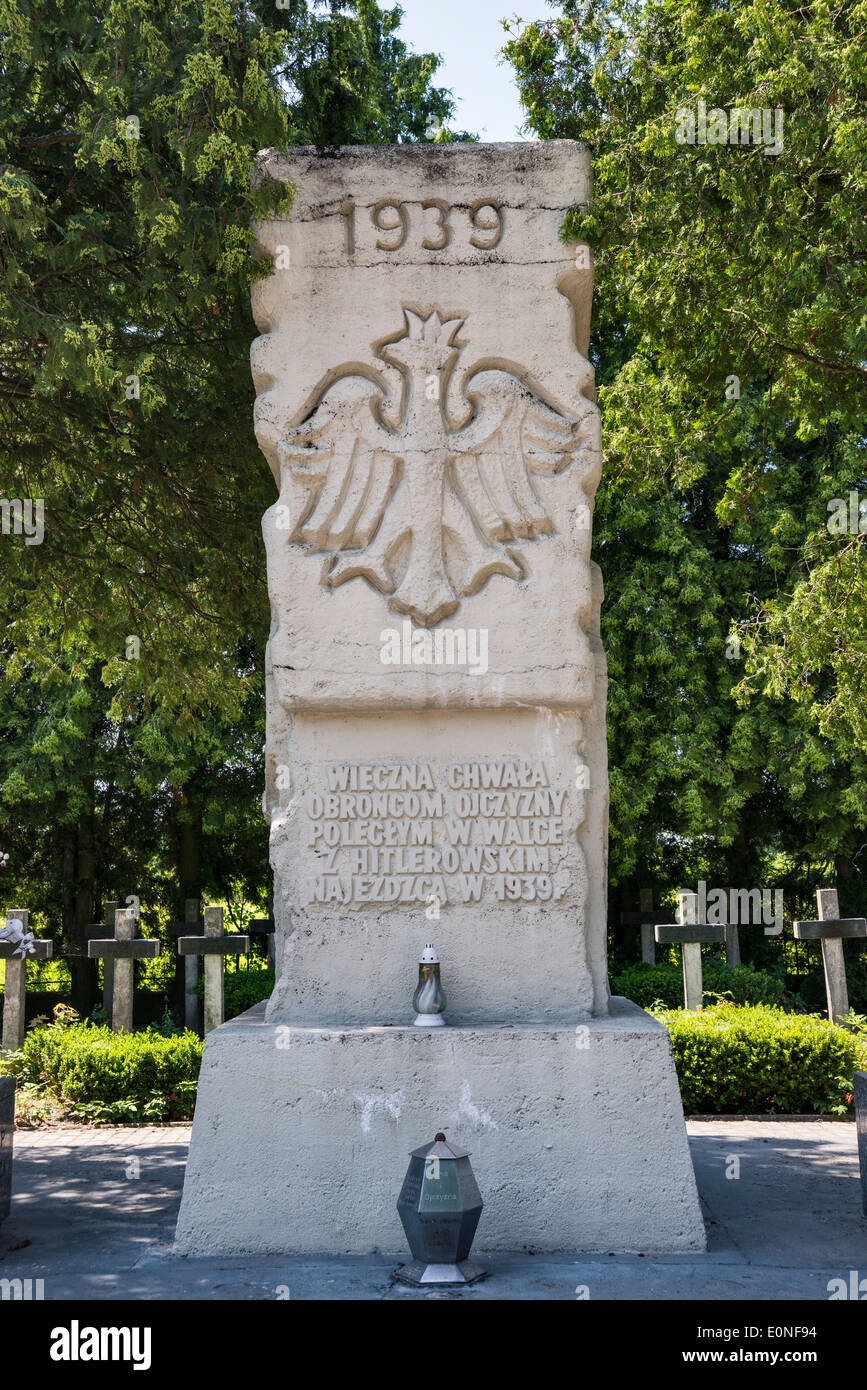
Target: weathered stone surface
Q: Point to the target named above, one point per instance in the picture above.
(437, 449)
(123, 949)
(576, 1139)
(436, 762)
(7, 1125)
(219, 946)
(847, 928)
(676, 934)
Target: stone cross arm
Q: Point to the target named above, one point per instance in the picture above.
(257, 926)
(643, 918)
(195, 926)
(17, 941)
(95, 931)
(207, 938)
(137, 948)
(37, 949)
(679, 934)
(213, 945)
(838, 927)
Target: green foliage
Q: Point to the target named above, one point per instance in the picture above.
(111, 1078)
(167, 1028)
(715, 262)
(648, 985)
(760, 1060)
(242, 989)
(359, 84)
(128, 139)
(129, 257)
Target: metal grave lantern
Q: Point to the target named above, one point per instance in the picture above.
(439, 1206)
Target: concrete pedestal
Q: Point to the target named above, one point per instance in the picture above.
(301, 1135)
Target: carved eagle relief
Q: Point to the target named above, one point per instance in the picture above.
(396, 492)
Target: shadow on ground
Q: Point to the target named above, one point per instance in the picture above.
(93, 1216)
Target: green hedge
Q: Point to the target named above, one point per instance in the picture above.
(730, 1059)
(760, 1060)
(111, 1078)
(663, 984)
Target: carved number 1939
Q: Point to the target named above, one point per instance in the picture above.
(391, 220)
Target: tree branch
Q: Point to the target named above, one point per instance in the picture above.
(57, 137)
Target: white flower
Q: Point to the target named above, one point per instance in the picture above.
(21, 939)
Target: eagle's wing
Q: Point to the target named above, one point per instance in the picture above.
(340, 468)
(512, 436)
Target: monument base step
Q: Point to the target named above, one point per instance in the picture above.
(301, 1136)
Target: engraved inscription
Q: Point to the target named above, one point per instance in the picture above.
(488, 230)
(398, 222)
(399, 833)
(442, 208)
(390, 218)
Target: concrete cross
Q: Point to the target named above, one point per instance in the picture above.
(19, 947)
(733, 944)
(647, 919)
(96, 931)
(264, 926)
(213, 946)
(830, 929)
(689, 933)
(192, 923)
(124, 948)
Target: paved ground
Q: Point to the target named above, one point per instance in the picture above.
(93, 1214)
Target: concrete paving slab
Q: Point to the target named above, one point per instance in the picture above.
(93, 1214)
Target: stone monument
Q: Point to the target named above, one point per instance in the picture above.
(436, 749)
